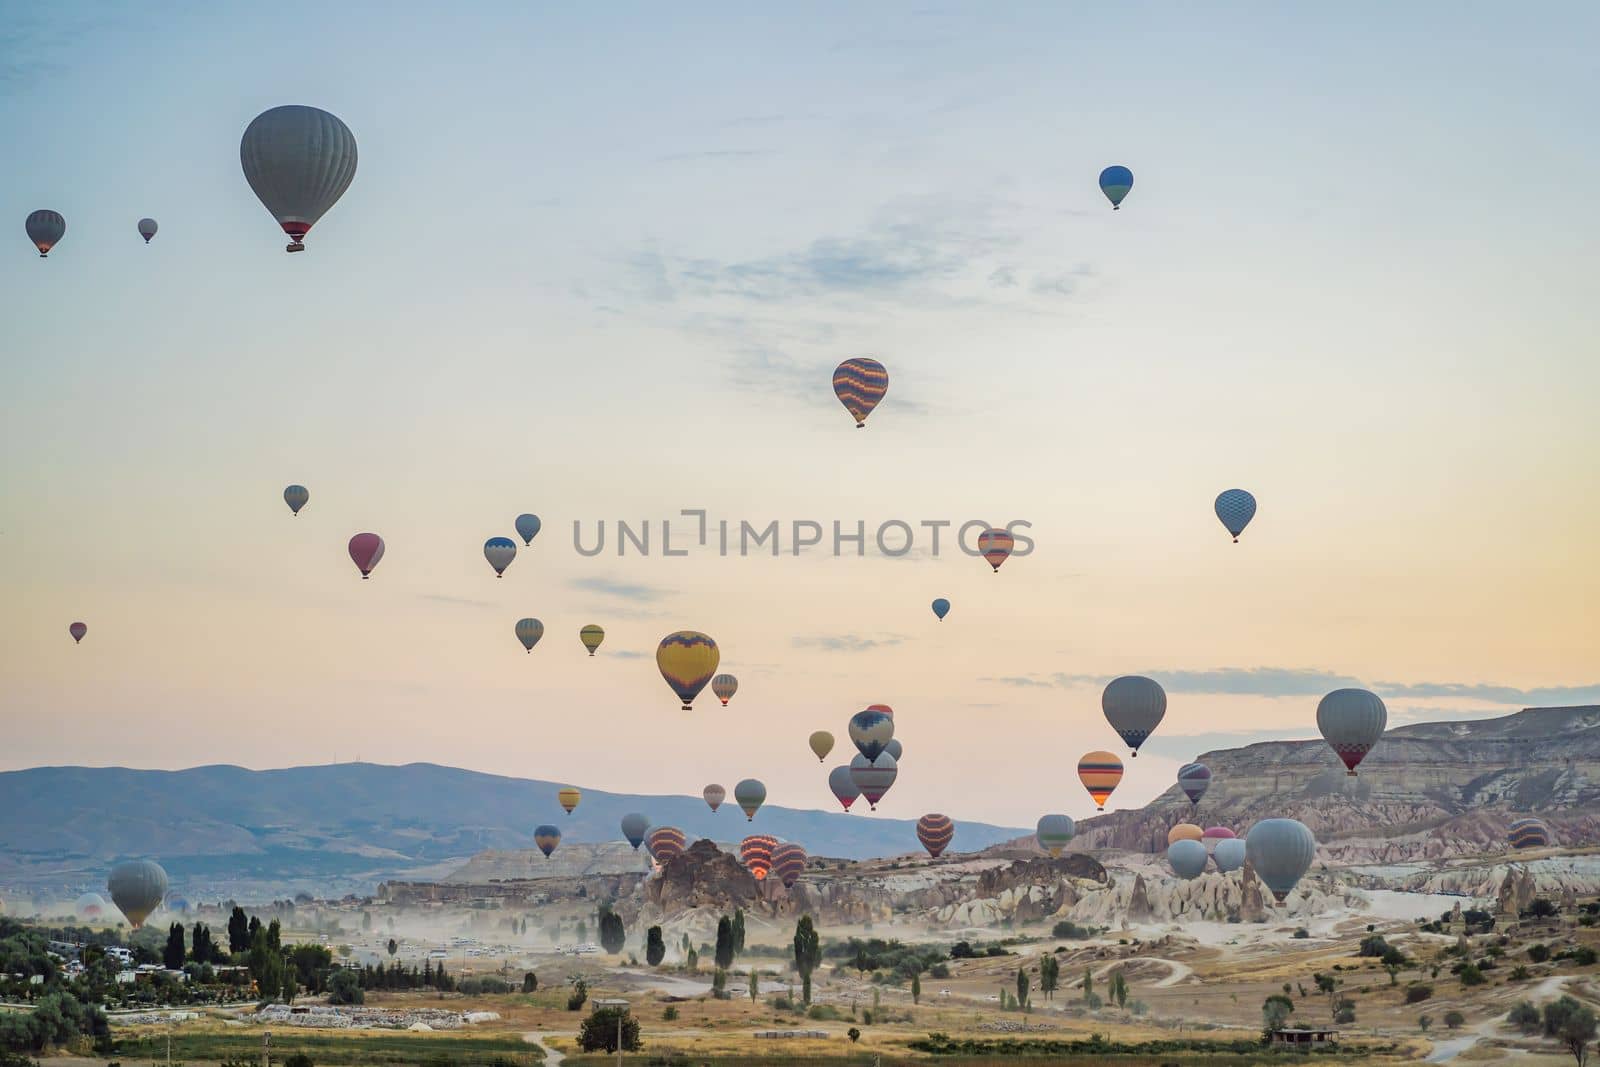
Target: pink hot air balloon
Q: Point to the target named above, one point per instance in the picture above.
(366, 549)
(77, 630)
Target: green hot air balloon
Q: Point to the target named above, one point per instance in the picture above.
(1055, 832)
(1281, 851)
(529, 631)
(137, 888)
(750, 794)
(591, 636)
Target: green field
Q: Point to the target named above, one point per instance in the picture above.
(414, 1050)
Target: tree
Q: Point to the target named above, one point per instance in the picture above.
(738, 931)
(853, 1034)
(345, 988)
(612, 934)
(583, 931)
(861, 960)
(530, 982)
(599, 1032)
(1088, 983)
(1525, 1017)
(1119, 988)
(1573, 1025)
(579, 994)
(1328, 986)
(200, 943)
(238, 931)
(275, 935)
(1049, 975)
(172, 958)
(299, 1059)
(394, 947)
(807, 953)
(1423, 1022)
(1275, 1013)
(1454, 1020)
(724, 943)
(655, 949)
(755, 984)
(719, 984)
(692, 961)
(916, 987)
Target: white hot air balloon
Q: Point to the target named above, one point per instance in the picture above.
(299, 160)
(1352, 721)
(1229, 854)
(1281, 851)
(1187, 858)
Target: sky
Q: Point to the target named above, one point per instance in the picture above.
(598, 263)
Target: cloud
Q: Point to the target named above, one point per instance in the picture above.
(636, 591)
(1020, 682)
(720, 153)
(626, 653)
(1493, 694)
(460, 601)
(1190, 746)
(848, 642)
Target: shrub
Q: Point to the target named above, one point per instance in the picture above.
(1373, 947)
(299, 1059)
(1454, 1019)
(824, 1013)
(598, 1032)
(579, 994)
(1584, 956)
(1519, 973)
(670, 1013)
(1470, 975)
(482, 985)
(1071, 931)
(1416, 994)
(853, 1034)
(939, 970)
(1423, 1022)
(530, 982)
(1541, 909)
(1539, 953)
(1302, 933)
(1524, 1017)
(345, 988)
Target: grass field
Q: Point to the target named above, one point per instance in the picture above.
(214, 1046)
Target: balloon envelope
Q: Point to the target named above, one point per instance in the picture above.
(634, 827)
(874, 777)
(665, 842)
(527, 527)
(137, 889)
(45, 229)
(366, 549)
(147, 229)
(859, 384)
(1134, 706)
(89, 906)
(755, 852)
(996, 546)
(714, 796)
(1054, 832)
(723, 686)
(1215, 834)
(750, 794)
(1194, 779)
(1235, 508)
(499, 551)
(894, 748)
(687, 660)
(547, 837)
(788, 862)
(529, 631)
(1185, 831)
(941, 607)
(591, 636)
(1100, 772)
(77, 630)
(870, 731)
(1115, 182)
(1188, 858)
(1281, 851)
(568, 798)
(1229, 854)
(1528, 833)
(1352, 721)
(299, 161)
(821, 743)
(843, 785)
(935, 831)
(296, 496)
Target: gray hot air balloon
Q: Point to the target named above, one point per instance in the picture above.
(714, 795)
(634, 827)
(894, 748)
(1187, 858)
(871, 730)
(1054, 832)
(45, 229)
(1281, 851)
(843, 786)
(147, 229)
(750, 794)
(1352, 721)
(1235, 508)
(873, 777)
(296, 497)
(1229, 854)
(1134, 706)
(137, 889)
(299, 160)
(529, 631)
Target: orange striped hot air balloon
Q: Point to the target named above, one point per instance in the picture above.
(568, 798)
(687, 660)
(935, 831)
(996, 546)
(665, 842)
(1184, 831)
(755, 852)
(859, 384)
(789, 862)
(1100, 772)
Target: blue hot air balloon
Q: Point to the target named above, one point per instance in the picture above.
(634, 827)
(527, 528)
(499, 551)
(1235, 508)
(941, 607)
(1115, 183)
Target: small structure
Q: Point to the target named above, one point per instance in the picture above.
(602, 1003)
(1304, 1038)
(781, 1035)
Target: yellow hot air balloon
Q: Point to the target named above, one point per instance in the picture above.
(1184, 831)
(591, 636)
(1100, 772)
(687, 660)
(569, 798)
(822, 744)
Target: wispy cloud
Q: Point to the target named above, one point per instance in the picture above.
(715, 153)
(1493, 694)
(848, 642)
(626, 653)
(460, 601)
(1020, 681)
(635, 591)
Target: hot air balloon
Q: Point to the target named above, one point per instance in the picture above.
(1281, 851)
(1229, 854)
(1185, 831)
(1187, 858)
(137, 889)
(788, 862)
(941, 608)
(499, 551)
(996, 546)
(874, 777)
(843, 785)
(723, 686)
(1352, 721)
(299, 161)
(1100, 772)
(77, 630)
(755, 852)
(870, 730)
(1235, 508)
(568, 798)
(634, 826)
(529, 631)
(1213, 835)
(886, 709)
(89, 906)
(714, 796)
(821, 742)
(935, 831)
(1115, 183)
(546, 837)
(527, 527)
(687, 660)
(147, 229)
(1054, 832)
(1134, 706)
(750, 794)
(366, 549)
(859, 384)
(894, 748)
(1194, 779)
(591, 636)
(1528, 833)
(45, 229)
(665, 842)
(296, 496)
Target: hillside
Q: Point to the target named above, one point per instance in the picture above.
(1427, 791)
(224, 829)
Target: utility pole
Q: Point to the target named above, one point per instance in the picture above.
(266, 1048)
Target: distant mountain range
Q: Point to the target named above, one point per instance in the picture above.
(223, 830)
